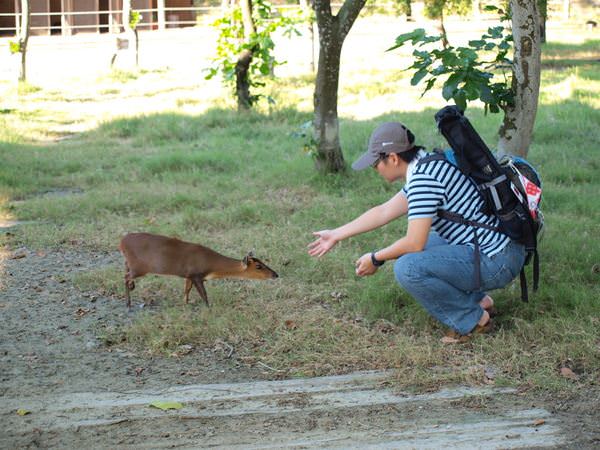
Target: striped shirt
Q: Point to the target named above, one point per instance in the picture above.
(439, 185)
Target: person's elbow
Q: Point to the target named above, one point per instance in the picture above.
(414, 246)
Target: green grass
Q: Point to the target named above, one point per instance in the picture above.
(240, 182)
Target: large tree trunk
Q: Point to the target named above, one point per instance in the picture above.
(517, 128)
(242, 67)
(24, 37)
(332, 32)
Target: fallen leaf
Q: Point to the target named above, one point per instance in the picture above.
(539, 422)
(166, 405)
(81, 312)
(23, 412)
(568, 373)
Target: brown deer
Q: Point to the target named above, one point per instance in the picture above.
(151, 253)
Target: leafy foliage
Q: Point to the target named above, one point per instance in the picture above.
(468, 72)
(134, 19)
(399, 7)
(14, 47)
(231, 43)
(434, 9)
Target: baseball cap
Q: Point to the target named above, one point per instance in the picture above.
(389, 137)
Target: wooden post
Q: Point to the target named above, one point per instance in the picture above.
(17, 18)
(160, 5)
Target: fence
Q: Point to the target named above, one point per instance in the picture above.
(110, 20)
(105, 21)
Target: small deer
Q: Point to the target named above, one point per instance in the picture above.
(151, 253)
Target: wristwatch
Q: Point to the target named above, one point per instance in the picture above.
(375, 261)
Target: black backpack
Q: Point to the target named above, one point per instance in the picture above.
(510, 188)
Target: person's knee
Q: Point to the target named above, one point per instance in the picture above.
(407, 269)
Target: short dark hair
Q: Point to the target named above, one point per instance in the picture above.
(409, 155)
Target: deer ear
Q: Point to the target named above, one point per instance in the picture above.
(246, 260)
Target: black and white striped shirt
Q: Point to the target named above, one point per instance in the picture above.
(438, 184)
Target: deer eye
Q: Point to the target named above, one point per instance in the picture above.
(259, 266)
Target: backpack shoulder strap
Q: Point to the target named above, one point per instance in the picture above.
(437, 155)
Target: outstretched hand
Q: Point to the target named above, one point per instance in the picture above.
(325, 242)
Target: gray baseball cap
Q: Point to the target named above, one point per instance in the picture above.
(389, 137)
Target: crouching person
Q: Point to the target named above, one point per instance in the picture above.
(444, 265)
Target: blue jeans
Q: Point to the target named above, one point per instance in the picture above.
(441, 279)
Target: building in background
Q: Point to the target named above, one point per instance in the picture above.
(67, 17)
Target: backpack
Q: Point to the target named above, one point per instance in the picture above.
(511, 189)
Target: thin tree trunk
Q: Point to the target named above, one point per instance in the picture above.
(242, 66)
(326, 123)
(445, 42)
(24, 37)
(517, 128)
(332, 32)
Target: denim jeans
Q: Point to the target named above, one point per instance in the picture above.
(441, 279)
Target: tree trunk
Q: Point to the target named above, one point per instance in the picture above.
(242, 83)
(242, 67)
(517, 128)
(326, 124)
(332, 32)
(445, 42)
(24, 37)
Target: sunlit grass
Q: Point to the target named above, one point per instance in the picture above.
(147, 153)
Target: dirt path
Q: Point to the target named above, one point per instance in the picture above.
(80, 392)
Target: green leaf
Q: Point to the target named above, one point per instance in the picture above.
(23, 412)
(460, 99)
(418, 76)
(166, 405)
(485, 94)
(496, 32)
(477, 43)
(448, 90)
(439, 70)
(467, 53)
(429, 85)
(451, 85)
(14, 46)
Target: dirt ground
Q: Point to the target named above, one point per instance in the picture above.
(52, 351)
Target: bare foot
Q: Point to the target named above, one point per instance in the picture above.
(487, 302)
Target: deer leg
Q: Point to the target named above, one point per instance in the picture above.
(199, 283)
(186, 290)
(129, 285)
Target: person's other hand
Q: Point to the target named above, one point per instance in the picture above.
(325, 242)
(364, 266)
